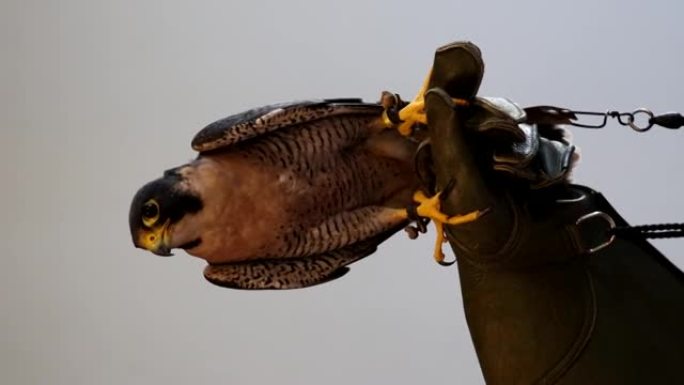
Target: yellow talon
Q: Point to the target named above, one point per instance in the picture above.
(438, 254)
(430, 207)
(414, 112)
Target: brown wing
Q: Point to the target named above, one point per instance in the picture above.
(292, 273)
(262, 120)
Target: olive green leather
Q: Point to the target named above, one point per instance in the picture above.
(540, 308)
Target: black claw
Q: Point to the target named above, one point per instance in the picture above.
(447, 263)
(484, 212)
(447, 189)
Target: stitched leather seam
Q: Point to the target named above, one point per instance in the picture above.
(575, 351)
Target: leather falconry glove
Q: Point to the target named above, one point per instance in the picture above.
(548, 298)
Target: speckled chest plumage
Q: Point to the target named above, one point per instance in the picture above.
(319, 187)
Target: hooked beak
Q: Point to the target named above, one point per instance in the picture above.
(156, 241)
(162, 251)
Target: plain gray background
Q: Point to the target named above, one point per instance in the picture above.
(97, 98)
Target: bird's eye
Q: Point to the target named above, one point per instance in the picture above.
(150, 213)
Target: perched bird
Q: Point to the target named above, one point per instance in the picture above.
(285, 196)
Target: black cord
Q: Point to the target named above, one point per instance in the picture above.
(656, 231)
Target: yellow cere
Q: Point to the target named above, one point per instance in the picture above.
(152, 238)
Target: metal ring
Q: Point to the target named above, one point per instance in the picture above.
(611, 226)
(633, 124)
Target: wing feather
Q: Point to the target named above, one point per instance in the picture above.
(262, 120)
(293, 273)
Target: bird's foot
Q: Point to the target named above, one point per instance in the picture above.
(430, 208)
(405, 116)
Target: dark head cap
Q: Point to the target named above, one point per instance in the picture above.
(156, 206)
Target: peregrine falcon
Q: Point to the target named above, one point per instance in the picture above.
(285, 196)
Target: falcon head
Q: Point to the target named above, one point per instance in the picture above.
(158, 211)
